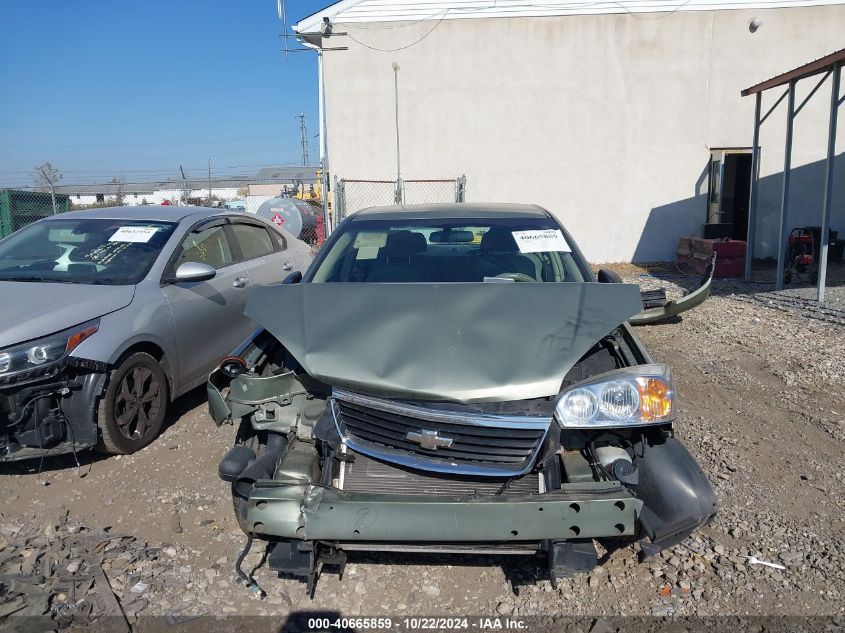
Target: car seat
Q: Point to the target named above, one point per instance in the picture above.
(396, 260)
(500, 254)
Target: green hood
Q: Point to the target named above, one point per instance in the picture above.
(457, 342)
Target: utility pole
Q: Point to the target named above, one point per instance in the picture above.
(209, 182)
(400, 197)
(303, 133)
(184, 185)
(52, 188)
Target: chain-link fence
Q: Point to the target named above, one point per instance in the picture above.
(426, 191)
(19, 207)
(352, 195)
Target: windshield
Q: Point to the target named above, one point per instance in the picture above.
(83, 251)
(449, 250)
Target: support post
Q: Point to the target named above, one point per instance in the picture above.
(752, 203)
(828, 181)
(324, 156)
(784, 200)
(400, 188)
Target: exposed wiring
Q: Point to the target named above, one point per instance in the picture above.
(401, 48)
(73, 443)
(20, 417)
(468, 11)
(250, 582)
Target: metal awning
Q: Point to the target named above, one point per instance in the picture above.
(827, 66)
(821, 65)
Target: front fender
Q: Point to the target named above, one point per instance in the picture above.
(677, 306)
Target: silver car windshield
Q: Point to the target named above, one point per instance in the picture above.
(83, 251)
(437, 251)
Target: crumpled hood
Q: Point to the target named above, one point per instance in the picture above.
(30, 310)
(461, 342)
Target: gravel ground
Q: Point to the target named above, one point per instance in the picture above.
(762, 408)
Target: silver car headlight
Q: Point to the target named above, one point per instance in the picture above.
(46, 350)
(634, 396)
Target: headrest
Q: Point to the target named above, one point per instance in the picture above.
(498, 239)
(404, 244)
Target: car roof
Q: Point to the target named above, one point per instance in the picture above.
(150, 212)
(449, 210)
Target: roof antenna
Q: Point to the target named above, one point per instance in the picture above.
(281, 9)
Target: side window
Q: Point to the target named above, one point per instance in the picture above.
(254, 241)
(208, 246)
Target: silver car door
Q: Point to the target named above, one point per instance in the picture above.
(208, 316)
(263, 251)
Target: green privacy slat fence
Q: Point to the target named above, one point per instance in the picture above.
(19, 208)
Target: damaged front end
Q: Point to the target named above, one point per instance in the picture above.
(47, 396)
(321, 468)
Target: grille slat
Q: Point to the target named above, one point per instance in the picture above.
(355, 419)
(401, 421)
(478, 444)
(492, 453)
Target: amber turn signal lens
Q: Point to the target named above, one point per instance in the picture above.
(76, 338)
(655, 399)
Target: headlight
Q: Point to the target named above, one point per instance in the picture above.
(45, 350)
(635, 396)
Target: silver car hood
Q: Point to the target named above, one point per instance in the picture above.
(458, 342)
(29, 310)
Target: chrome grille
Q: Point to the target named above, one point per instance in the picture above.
(455, 441)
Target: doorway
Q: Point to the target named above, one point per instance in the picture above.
(728, 194)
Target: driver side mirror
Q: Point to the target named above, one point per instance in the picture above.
(606, 276)
(193, 271)
(294, 278)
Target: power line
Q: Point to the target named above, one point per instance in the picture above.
(520, 7)
(401, 48)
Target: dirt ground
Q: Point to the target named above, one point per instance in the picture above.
(762, 401)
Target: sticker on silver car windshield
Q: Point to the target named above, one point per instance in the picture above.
(134, 234)
(544, 241)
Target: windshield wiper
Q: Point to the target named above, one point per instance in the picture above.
(22, 278)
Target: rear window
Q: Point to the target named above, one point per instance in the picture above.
(482, 250)
(254, 241)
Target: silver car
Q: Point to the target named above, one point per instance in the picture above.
(107, 315)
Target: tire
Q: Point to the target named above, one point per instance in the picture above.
(134, 407)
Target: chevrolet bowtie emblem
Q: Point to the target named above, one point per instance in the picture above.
(429, 440)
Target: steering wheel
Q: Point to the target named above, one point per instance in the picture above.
(515, 276)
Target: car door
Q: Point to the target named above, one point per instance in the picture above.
(208, 315)
(263, 251)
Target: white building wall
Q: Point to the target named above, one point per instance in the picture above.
(605, 120)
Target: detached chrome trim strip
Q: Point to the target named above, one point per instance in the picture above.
(434, 464)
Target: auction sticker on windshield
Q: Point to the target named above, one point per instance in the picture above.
(368, 244)
(543, 241)
(134, 234)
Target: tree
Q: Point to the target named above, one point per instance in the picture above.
(118, 191)
(46, 175)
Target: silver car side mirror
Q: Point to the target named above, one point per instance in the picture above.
(194, 271)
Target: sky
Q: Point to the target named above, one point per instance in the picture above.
(109, 88)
